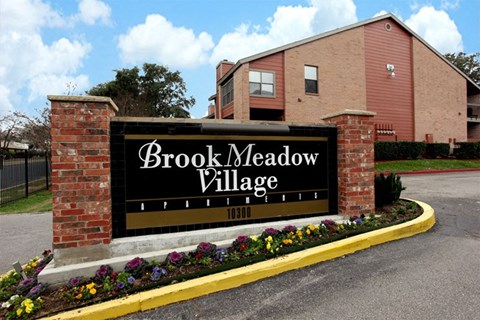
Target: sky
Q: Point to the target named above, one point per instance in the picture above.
(68, 46)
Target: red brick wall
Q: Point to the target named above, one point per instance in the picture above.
(356, 164)
(440, 97)
(341, 76)
(81, 170)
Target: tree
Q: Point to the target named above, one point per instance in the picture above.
(468, 64)
(19, 127)
(37, 130)
(10, 128)
(157, 92)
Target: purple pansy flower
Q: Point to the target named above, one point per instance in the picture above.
(158, 273)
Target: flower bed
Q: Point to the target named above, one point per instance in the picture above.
(28, 299)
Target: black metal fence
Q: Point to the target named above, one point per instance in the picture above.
(21, 174)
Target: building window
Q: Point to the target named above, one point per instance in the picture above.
(311, 79)
(261, 83)
(227, 93)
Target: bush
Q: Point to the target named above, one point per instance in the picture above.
(468, 150)
(385, 150)
(387, 189)
(437, 150)
(399, 150)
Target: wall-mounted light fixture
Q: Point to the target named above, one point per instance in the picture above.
(390, 70)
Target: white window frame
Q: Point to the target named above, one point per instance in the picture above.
(307, 91)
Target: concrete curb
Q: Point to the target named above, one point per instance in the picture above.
(236, 277)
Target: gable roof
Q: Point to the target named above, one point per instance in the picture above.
(240, 62)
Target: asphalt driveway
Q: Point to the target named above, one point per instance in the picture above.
(429, 276)
(23, 236)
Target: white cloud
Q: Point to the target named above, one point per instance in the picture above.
(27, 16)
(44, 84)
(91, 11)
(437, 28)
(450, 4)
(288, 24)
(29, 67)
(240, 43)
(158, 40)
(333, 14)
(380, 13)
(291, 23)
(5, 104)
(414, 5)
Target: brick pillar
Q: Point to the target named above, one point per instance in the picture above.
(356, 162)
(82, 215)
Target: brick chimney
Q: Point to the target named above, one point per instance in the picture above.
(223, 67)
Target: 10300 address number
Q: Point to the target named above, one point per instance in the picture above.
(236, 213)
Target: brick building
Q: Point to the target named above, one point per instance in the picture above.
(377, 65)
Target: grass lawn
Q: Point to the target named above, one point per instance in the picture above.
(37, 202)
(425, 164)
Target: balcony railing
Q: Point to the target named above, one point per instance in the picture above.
(385, 132)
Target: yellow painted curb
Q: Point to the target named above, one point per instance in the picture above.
(236, 277)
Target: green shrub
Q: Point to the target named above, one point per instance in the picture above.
(398, 150)
(467, 150)
(387, 189)
(437, 150)
(385, 150)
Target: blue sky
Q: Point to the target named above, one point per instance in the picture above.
(60, 46)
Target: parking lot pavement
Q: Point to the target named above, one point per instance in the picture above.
(23, 236)
(433, 275)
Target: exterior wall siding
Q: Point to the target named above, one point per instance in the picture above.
(426, 97)
(390, 98)
(272, 63)
(241, 93)
(440, 97)
(341, 77)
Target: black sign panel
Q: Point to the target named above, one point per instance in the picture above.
(172, 180)
(221, 178)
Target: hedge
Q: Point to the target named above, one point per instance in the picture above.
(399, 150)
(437, 150)
(467, 150)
